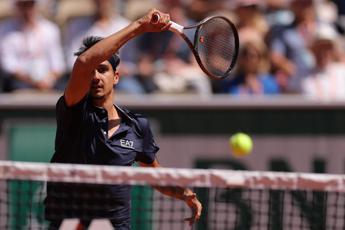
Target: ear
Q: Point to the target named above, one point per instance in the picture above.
(116, 77)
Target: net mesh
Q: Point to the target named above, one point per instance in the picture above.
(217, 46)
(231, 199)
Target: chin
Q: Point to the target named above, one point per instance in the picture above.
(97, 96)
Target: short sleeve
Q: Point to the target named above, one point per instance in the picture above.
(66, 113)
(150, 147)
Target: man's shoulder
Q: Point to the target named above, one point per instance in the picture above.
(133, 115)
(62, 105)
(139, 121)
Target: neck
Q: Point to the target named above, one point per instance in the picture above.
(107, 104)
(103, 16)
(28, 22)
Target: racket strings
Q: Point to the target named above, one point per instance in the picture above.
(217, 46)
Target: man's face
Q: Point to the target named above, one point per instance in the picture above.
(104, 78)
(324, 52)
(26, 9)
(104, 5)
(250, 58)
(303, 9)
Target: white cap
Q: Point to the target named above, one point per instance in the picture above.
(326, 32)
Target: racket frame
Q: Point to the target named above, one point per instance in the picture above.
(176, 28)
(179, 29)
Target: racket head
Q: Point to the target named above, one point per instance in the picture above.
(216, 46)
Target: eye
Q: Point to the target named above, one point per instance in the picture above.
(102, 69)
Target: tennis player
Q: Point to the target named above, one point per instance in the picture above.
(92, 130)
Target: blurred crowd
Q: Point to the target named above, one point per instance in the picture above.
(286, 46)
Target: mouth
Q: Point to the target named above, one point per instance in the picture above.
(96, 86)
(96, 89)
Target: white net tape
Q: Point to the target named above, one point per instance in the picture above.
(170, 176)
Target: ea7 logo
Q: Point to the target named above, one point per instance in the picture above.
(127, 143)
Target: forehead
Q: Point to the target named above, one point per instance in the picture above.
(323, 43)
(104, 63)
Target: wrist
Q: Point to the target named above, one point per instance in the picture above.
(138, 26)
(188, 195)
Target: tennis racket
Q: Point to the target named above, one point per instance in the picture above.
(215, 45)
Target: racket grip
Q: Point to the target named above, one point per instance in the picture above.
(176, 28)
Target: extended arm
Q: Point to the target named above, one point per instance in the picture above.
(180, 193)
(86, 63)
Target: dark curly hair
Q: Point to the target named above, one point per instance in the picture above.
(89, 41)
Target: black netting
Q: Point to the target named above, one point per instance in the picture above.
(22, 207)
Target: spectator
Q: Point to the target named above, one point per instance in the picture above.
(175, 71)
(252, 75)
(31, 52)
(340, 6)
(177, 76)
(178, 71)
(102, 23)
(251, 21)
(327, 79)
(332, 12)
(277, 13)
(199, 9)
(158, 45)
(290, 55)
(144, 74)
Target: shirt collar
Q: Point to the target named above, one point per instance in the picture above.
(124, 115)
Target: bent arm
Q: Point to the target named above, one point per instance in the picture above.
(172, 191)
(86, 63)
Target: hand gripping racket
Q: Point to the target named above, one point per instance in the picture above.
(215, 44)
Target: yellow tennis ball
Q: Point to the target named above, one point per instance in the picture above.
(240, 144)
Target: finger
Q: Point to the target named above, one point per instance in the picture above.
(197, 214)
(190, 220)
(166, 19)
(199, 210)
(192, 196)
(193, 219)
(155, 18)
(166, 27)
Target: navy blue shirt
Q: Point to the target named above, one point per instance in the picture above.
(82, 138)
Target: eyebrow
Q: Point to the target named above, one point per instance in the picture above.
(102, 65)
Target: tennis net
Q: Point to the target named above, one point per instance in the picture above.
(231, 199)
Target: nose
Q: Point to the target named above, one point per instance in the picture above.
(96, 76)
